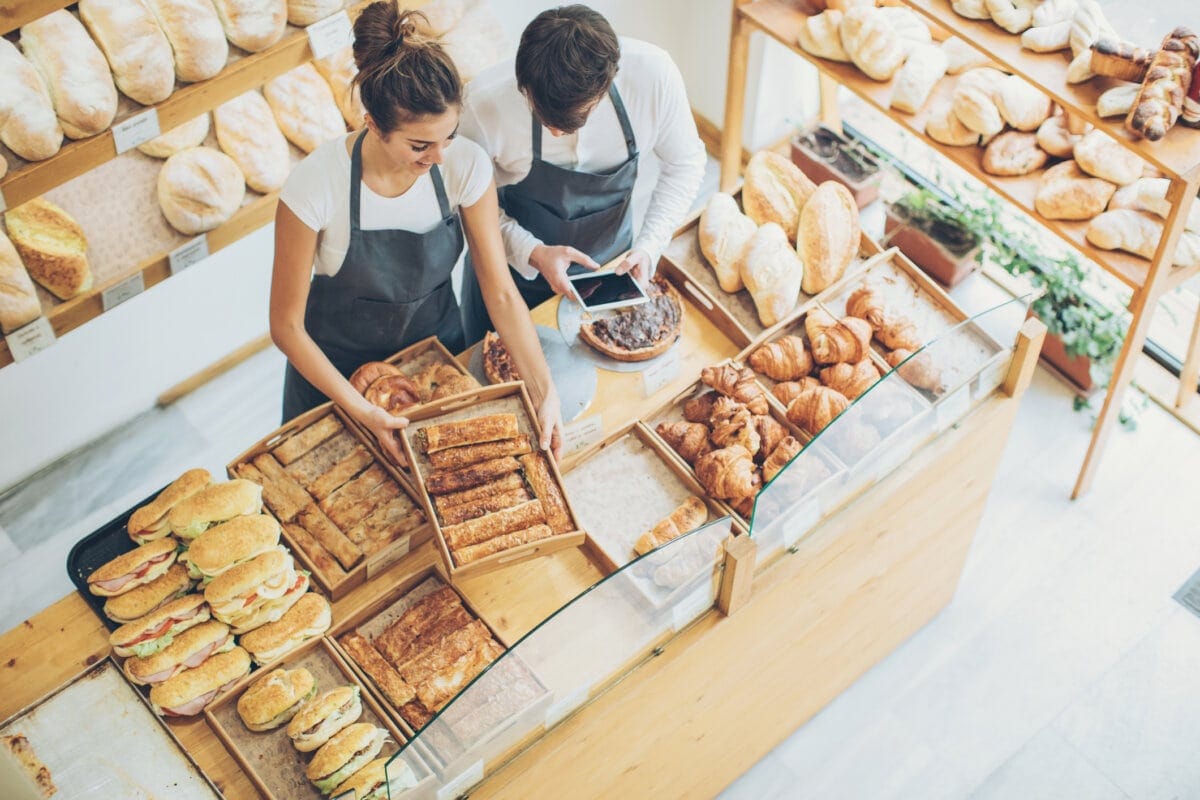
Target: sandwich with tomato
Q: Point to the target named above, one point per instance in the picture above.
(153, 632)
(139, 566)
(187, 693)
(256, 592)
(150, 521)
(148, 597)
(189, 650)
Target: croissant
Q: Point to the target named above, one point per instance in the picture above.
(733, 424)
(737, 383)
(689, 439)
(899, 333)
(849, 339)
(816, 321)
(815, 408)
(785, 359)
(850, 380)
(743, 506)
(865, 303)
(787, 391)
(687, 517)
(728, 473)
(781, 454)
(700, 409)
(920, 371)
(770, 434)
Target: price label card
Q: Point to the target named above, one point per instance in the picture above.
(691, 607)
(138, 129)
(29, 339)
(464, 781)
(661, 372)
(581, 433)
(802, 519)
(188, 254)
(952, 408)
(127, 289)
(561, 708)
(330, 34)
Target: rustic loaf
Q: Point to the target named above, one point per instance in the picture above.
(247, 133)
(136, 48)
(199, 188)
(75, 72)
(772, 272)
(775, 190)
(872, 45)
(1135, 232)
(1097, 154)
(304, 107)
(1013, 153)
(925, 66)
(196, 36)
(1055, 137)
(252, 25)
(724, 232)
(1067, 192)
(944, 126)
(338, 69)
(190, 134)
(828, 236)
(18, 300)
(1022, 105)
(28, 125)
(52, 245)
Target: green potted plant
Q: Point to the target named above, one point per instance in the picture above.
(939, 238)
(826, 155)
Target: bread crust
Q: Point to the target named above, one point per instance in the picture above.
(142, 600)
(128, 562)
(157, 509)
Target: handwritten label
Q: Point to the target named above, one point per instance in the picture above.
(188, 254)
(951, 408)
(29, 339)
(127, 289)
(802, 519)
(465, 780)
(330, 34)
(581, 433)
(557, 712)
(660, 373)
(138, 129)
(691, 607)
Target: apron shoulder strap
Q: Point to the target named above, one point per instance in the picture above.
(439, 186)
(356, 180)
(623, 118)
(537, 137)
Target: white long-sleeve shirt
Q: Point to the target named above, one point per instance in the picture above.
(496, 115)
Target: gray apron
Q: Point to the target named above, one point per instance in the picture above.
(393, 289)
(590, 211)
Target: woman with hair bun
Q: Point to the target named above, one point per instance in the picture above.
(378, 219)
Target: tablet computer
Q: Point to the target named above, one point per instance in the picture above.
(597, 291)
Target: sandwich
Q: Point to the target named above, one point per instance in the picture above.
(229, 544)
(151, 633)
(189, 650)
(257, 591)
(378, 781)
(217, 503)
(140, 601)
(345, 754)
(187, 693)
(309, 617)
(323, 716)
(275, 698)
(130, 570)
(150, 521)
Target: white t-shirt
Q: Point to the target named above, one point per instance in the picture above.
(318, 193)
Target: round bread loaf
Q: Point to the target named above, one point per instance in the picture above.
(199, 188)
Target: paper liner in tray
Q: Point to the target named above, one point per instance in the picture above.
(270, 759)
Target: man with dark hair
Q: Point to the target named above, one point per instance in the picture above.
(566, 198)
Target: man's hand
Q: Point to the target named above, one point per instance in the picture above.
(638, 264)
(552, 262)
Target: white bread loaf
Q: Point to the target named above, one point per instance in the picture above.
(976, 110)
(304, 107)
(1015, 16)
(1127, 197)
(198, 189)
(828, 237)
(961, 56)
(1134, 232)
(871, 44)
(775, 190)
(819, 35)
(1097, 154)
(1013, 153)
(925, 66)
(906, 24)
(28, 124)
(338, 69)
(971, 9)
(197, 39)
(724, 231)
(944, 126)
(305, 12)
(76, 74)
(247, 133)
(1067, 192)
(136, 48)
(1021, 104)
(18, 299)
(190, 134)
(1152, 195)
(1117, 101)
(52, 245)
(1055, 137)
(1051, 12)
(1048, 38)
(772, 272)
(252, 25)
(1088, 24)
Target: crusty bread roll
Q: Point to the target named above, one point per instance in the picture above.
(976, 110)
(197, 39)
(1117, 101)
(943, 126)
(199, 188)
(909, 26)
(28, 124)
(306, 12)
(961, 56)
(136, 48)
(1015, 16)
(18, 300)
(338, 69)
(1088, 24)
(1152, 196)
(1135, 232)
(1022, 105)
(1013, 153)
(819, 35)
(772, 272)
(828, 237)
(76, 74)
(1097, 154)
(247, 133)
(1051, 12)
(1055, 137)
(775, 190)
(1048, 38)
(925, 66)
(52, 245)
(971, 9)
(1067, 192)
(190, 134)
(871, 44)
(304, 107)
(724, 232)
(252, 25)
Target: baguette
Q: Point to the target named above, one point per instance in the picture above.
(485, 505)
(546, 489)
(459, 457)
(75, 72)
(315, 522)
(1160, 100)
(446, 481)
(475, 552)
(510, 482)
(318, 555)
(197, 39)
(304, 441)
(28, 124)
(394, 688)
(495, 524)
(476, 430)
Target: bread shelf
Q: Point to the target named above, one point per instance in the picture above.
(15, 13)
(1177, 154)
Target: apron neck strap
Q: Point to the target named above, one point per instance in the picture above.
(622, 117)
(439, 185)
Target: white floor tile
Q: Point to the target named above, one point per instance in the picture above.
(1047, 768)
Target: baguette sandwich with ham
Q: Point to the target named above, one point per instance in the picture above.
(213, 505)
(153, 632)
(323, 716)
(187, 693)
(140, 601)
(229, 544)
(150, 521)
(256, 592)
(136, 568)
(189, 650)
(307, 618)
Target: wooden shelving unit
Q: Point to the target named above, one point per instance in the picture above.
(15, 13)
(1177, 156)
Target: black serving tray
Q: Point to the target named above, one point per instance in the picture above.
(97, 549)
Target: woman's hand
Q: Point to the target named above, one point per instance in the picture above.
(384, 426)
(549, 413)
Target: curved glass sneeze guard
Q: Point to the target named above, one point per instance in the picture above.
(926, 394)
(553, 670)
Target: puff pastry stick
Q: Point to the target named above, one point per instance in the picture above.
(316, 462)
(443, 686)
(475, 552)
(287, 493)
(302, 442)
(342, 473)
(342, 504)
(495, 524)
(389, 521)
(278, 501)
(446, 481)
(458, 457)
(424, 612)
(485, 505)
(509, 483)
(321, 558)
(324, 531)
(394, 688)
(546, 489)
(399, 646)
(488, 428)
(446, 652)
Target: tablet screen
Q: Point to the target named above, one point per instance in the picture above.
(607, 290)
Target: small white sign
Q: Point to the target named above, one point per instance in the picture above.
(952, 408)
(330, 34)
(3, 204)
(664, 370)
(29, 339)
(581, 433)
(691, 607)
(188, 254)
(560, 709)
(465, 780)
(803, 518)
(138, 129)
(127, 289)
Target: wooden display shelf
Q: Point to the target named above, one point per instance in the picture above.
(1177, 154)
(781, 20)
(15, 13)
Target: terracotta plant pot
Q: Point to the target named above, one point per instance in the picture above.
(821, 155)
(1076, 369)
(928, 253)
